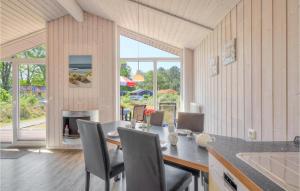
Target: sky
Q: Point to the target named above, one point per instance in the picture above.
(132, 49)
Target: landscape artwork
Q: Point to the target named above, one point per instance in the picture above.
(80, 71)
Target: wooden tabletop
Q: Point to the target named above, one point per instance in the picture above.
(186, 153)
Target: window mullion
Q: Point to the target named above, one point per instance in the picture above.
(155, 85)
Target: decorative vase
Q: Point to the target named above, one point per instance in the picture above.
(67, 131)
(173, 138)
(148, 121)
(133, 123)
(171, 128)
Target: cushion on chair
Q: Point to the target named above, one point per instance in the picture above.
(116, 162)
(177, 179)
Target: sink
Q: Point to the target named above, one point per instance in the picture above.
(280, 167)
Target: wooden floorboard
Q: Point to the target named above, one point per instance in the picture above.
(49, 170)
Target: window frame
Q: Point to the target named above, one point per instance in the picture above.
(154, 60)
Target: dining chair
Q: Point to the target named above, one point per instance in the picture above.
(144, 165)
(157, 118)
(99, 161)
(191, 121)
(138, 112)
(195, 123)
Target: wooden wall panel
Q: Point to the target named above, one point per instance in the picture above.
(240, 74)
(256, 67)
(188, 84)
(219, 78)
(228, 85)
(247, 64)
(223, 81)
(279, 69)
(267, 70)
(261, 89)
(65, 36)
(293, 94)
(234, 76)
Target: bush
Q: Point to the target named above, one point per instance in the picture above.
(31, 99)
(30, 107)
(24, 110)
(5, 112)
(4, 95)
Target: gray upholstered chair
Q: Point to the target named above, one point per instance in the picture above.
(98, 159)
(157, 118)
(138, 112)
(144, 166)
(194, 122)
(191, 121)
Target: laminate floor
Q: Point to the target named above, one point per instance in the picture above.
(50, 170)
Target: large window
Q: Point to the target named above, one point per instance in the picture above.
(160, 87)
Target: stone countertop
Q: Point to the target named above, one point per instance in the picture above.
(228, 147)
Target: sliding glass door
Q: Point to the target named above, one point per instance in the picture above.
(31, 102)
(6, 103)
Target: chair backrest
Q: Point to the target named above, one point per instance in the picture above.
(138, 112)
(94, 148)
(157, 118)
(170, 111)
(191, 121)
(143, 160)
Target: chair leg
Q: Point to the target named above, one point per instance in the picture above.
(107, 185)
(87, 181)
(196, 183)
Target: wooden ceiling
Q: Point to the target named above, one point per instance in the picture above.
(159, 25)
(22, 17)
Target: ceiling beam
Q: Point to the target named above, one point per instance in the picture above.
(73, 9)
(23, 43)
(171, 14)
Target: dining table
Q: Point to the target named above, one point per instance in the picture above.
(186, 153)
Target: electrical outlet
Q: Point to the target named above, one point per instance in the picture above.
(252, 134)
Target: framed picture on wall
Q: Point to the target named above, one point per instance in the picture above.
(80, 71)
(229, 51)
(213, 66)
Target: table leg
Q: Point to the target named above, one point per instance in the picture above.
(196, 183)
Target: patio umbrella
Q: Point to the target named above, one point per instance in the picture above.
(126, 82)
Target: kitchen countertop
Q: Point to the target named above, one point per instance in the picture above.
(227, 148)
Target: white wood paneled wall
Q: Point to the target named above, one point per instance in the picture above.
(187, 80)
(65, 36)
(261, 89)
